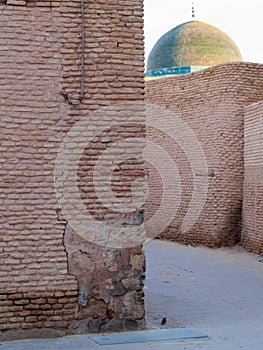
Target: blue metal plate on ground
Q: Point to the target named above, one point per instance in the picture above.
(147, 336)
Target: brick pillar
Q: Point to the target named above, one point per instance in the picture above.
(51, 276)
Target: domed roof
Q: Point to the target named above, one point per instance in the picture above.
(193, 43)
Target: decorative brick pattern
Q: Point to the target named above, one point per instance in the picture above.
(252, 228)
(211, 102)
(40, 48)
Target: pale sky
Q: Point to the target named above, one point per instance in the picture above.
(241, 20)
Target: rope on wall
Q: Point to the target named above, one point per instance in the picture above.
(67, 97)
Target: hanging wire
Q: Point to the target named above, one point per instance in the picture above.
(67, 97)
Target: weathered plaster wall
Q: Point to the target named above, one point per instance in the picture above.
(51, 278)
(211, 103)
(252, 228)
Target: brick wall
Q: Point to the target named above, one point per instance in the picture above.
(211, 104)
(52, 279)
(252, 228)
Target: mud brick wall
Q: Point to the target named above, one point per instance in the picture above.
(52, 279)
(211, 103)
(252, 228)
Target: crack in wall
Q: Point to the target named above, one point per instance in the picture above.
(110, 282)
(60, 218)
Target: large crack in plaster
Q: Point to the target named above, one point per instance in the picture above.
(110, 282)
(80, 264)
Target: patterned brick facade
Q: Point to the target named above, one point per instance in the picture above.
(252, 228)
(212, 103)
(52, 280)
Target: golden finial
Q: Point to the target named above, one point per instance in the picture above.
(193, 10)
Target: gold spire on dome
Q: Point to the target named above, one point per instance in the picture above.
(193, 10)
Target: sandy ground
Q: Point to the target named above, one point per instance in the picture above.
(216, 292)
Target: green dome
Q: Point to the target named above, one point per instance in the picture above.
(193, 43)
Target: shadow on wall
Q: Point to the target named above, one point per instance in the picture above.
(211, 103)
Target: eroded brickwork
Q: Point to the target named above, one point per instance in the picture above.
(42, 269)
(211, 102)
(252, 228)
